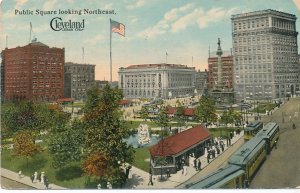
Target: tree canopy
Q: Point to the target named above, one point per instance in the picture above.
(104, 132)
(206, 111)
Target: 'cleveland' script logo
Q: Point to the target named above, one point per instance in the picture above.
(57, 24)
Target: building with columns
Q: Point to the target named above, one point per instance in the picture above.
(265, 54)
(157, 81)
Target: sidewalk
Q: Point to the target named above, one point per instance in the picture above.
(140, 178)
(27, 181)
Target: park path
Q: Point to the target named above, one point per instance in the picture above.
(26, 180)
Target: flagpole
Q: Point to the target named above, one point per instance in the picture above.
(30, 32)
(110, 53)
(166, 57)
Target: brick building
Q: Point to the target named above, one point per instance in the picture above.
(33, 72)
(227, 72)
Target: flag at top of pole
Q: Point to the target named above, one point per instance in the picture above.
(117, 27)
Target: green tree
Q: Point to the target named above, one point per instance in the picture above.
(66, 144)
(93, 99)
(163, 121)
(227, 117)
(104, 132)
(180, 113)
(206, 111)
(33, 116)
(20, 116)
(144, 113)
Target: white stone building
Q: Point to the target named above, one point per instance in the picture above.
(157, 81)
(265, 55)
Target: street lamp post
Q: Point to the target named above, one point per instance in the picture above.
(257, 111)
(162, 154)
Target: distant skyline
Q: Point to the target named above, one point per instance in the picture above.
(185, 29)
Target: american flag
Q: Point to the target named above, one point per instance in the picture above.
(117, 27)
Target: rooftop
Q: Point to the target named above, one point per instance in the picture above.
(247, 151)
(180, 141)
(141, 66)
(263, 12)
(186, 111)
(218, 178)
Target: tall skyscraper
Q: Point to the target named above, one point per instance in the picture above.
(33, 72)
(265, 55)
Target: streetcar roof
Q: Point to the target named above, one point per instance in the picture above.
(254, 124)
(218, 178)
(247, 151)
(268, 129)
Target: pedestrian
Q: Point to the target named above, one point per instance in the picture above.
(150, 179)
(294, 126)
(35, 176)
(185, 170)
(32, 178)
(168, 173)
(275, 144)
(99, 186)
(127, 172)
(195, 163)
(42, 177)
(20, 174)
(46, 182)
(199, 165)
(39, 177)
(207, 159)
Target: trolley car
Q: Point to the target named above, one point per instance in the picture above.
(229, 176)
(243, 164)
(252, 129)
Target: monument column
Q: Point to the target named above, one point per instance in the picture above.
(219, 85)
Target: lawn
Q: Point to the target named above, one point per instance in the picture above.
(139, 158)
(69, 177)
(222, 131)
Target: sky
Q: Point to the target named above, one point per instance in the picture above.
(185, 29)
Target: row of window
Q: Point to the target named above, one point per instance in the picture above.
(251, 24)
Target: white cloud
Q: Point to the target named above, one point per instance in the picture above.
(137, 4)
(108, 6)
(49, 5)
(133, 19)
(94, 40)
(8, 14)
(297, 3)
(165, 24)
(40, 29)
(20, 3)
(202, 18)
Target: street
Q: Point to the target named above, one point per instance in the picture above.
(10, 184)
(281, 169)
